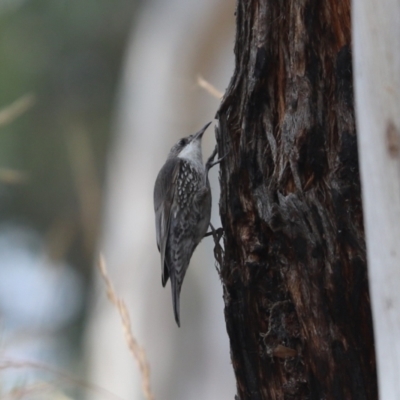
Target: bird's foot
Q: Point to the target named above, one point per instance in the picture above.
(210, 162)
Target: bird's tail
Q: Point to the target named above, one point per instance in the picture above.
(176, 291)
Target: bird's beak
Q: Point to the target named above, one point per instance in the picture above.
(199, 134)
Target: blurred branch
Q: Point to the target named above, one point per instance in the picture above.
(16, 364)
(137, 352)
(7, 115)
(209, 88)
(42, 390)
(12, 177)
(25, 390)
(14, 110)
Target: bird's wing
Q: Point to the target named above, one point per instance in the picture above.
(164, 194)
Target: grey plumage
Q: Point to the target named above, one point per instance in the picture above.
(182, 205)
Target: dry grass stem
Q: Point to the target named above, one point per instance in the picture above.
(137, 352)
(209, 88)
(14, 110)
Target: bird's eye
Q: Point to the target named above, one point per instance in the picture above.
(182, 142)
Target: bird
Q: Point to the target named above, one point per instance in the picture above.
(182, 206)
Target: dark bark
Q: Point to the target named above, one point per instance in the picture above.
(294, 270)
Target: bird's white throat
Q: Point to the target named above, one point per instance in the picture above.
(192, 153)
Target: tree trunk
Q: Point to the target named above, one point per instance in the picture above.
(297, 306)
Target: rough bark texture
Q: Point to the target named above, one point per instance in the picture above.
(294, 271)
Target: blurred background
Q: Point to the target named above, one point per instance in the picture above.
(93, 95)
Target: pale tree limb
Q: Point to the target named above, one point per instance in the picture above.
(376, 33)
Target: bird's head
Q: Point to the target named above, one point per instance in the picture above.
(189, 147)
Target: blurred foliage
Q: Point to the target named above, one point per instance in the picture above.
(68, 54)
(60, 65)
